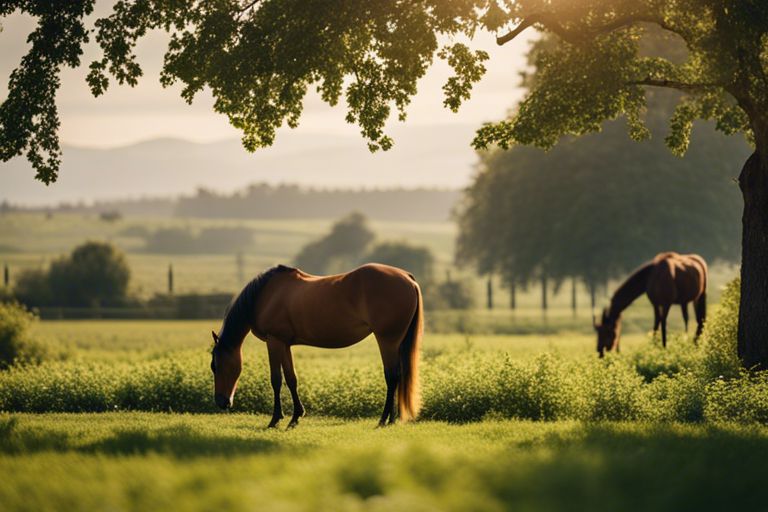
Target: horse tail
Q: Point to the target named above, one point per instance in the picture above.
(703, 305)
(408, 392)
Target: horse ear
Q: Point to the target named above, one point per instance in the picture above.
(215, 338)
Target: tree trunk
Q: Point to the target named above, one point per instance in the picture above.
(592, 294)
(512, 296)
(753, 309)
(544, 292)
(573, 295)
(490, 293)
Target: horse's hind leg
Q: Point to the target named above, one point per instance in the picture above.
(684, 308)
(700, 308)
(293, 384)
(275, 350)
(391, 360)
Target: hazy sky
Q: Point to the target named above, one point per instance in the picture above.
(126, 115)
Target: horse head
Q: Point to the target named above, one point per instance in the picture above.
(226, 365)
(608, 331)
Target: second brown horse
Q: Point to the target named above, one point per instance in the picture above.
(668, 279)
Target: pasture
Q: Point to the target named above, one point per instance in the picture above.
(32, 240)
(518, 412)
(142, 461)
(124, 421)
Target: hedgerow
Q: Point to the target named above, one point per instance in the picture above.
(682, 383)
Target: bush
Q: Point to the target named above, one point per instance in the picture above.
(744, 399)
(340, 249)
(652, 361)
(452, 295)
(16, 343)
(32, 288)
(719, 336)
(419, 261)
(96, 273)
(680, 397)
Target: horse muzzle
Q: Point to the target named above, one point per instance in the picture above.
(222, 401)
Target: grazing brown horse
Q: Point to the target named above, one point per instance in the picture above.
(285, 306)
(668, 279)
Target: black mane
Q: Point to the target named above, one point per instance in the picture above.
(237, 320)
(630, 289)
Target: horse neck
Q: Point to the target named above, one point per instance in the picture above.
(632, 288)
(233, 331)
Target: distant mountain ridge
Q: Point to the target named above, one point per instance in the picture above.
(423, 156)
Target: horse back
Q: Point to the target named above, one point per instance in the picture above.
(676, 278)
(338, 310)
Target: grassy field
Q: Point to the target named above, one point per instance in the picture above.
(140, 462)
(121, 419)
(518, 412)
(32, 241)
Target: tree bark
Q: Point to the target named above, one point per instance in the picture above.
(544, 292)
(573, 295)
(490, 293)
(752, 343)
(512, 296)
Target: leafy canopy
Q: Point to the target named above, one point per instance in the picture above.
(258, 57)
(600, 73)
(596, 206)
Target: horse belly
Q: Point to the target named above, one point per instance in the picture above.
(333, 337)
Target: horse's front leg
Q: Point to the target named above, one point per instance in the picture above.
(684, 308)
(293, 383)
(275, 350)
(664, 313)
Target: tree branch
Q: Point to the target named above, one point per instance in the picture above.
(249, 5)
(673, 84)
(552, 24)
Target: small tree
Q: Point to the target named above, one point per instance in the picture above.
(94, 274)
(32, 288)
(419, 261)
(452, 295)
(340, 249)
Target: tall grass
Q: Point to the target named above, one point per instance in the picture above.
(461, 382)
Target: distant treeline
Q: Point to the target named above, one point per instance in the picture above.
(152, 207)
(263, 201)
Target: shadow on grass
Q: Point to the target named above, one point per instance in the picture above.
(179, 441)
(636, 467)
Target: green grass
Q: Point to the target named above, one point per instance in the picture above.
(163, 366)
(647, 429)
(139, 461)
